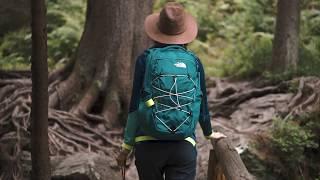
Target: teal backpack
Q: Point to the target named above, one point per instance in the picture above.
(170, 105)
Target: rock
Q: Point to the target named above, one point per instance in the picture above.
(86, 166)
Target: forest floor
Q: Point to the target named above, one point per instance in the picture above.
(243, 110)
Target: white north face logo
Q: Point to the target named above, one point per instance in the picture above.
(180, 65)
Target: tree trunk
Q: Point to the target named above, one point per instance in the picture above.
(100, 81)
(286, 40)
(141, 41)
(39, 107)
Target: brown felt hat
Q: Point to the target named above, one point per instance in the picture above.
(172, 25)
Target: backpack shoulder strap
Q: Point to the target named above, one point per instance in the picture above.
(147, 76)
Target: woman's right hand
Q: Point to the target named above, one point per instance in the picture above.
(216, 136)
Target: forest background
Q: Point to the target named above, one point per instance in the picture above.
(235, 41)
(235, 37)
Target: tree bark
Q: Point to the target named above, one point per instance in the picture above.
(286, 41)
(117, 99)
(39, 107)
(214, 168)
(141, 41)
(100, 81)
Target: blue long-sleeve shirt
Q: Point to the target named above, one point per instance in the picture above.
(133, 132)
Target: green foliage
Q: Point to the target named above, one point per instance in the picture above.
(15, 50)
(62, 42)
(251, 43)
(235, 37)
(290, 140)
(66, 20)
(291, 148)
(249, 59)
(309, 63)
(259, 168)
(65, 24)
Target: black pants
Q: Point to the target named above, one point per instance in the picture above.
(169, 160)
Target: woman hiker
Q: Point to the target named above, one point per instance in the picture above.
(168, 99)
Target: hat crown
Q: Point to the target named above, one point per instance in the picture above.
(172, 18)
(173, 25)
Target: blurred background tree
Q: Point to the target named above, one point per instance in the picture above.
(285, 52)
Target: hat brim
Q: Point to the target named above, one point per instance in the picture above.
(152, 30)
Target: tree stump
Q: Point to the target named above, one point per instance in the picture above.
(214, 169)
(225, 163)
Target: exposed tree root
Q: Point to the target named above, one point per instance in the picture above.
(85, 132)
(68, 133)
(227, 105)
(307, 99)
(307, 95)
